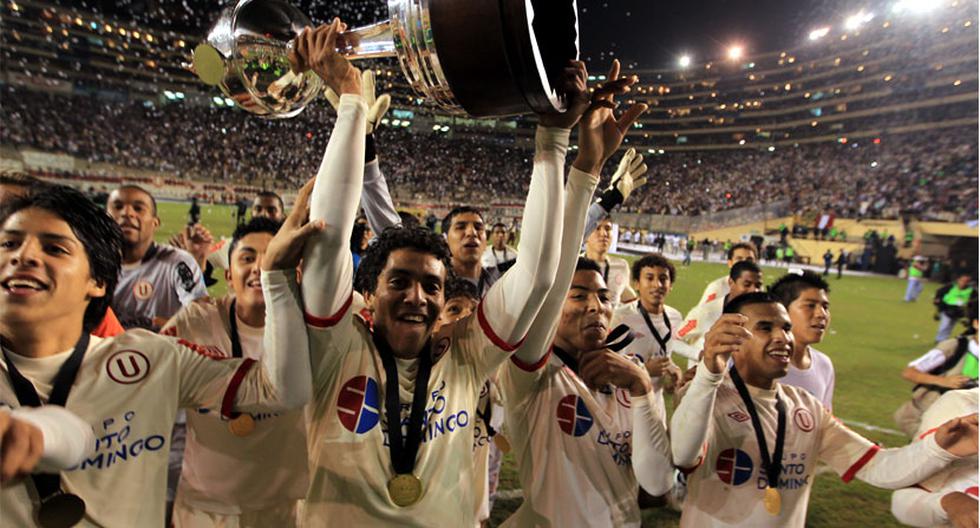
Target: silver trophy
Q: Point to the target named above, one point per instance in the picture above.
(494, 57)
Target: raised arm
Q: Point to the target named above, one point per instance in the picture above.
(513, 301)
(691, 423)
(626, 178)
(328, 268)
(600, 134)
(378, 206)
(375, 199)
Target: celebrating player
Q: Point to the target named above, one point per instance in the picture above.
(744, 277)
(948, 498)
(413, 466)
(804, 295)
(60, 257)
(719, 287)
(584, 421)
(651, 320)
(156, 280)
(249, 470)
(752, 444)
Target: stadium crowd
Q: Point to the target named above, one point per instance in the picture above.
(926, 174)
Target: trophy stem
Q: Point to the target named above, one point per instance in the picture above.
(369, 42)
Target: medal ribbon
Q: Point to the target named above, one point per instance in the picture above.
(236, 343)
(48, 484)
(621, 333)
(773, 464)
(662, 341)
(403, 451)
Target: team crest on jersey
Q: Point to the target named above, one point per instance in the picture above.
(623, 398)
(734, 467)
(127, 367)
(573, 416)
(358, 404)
(803, 419)
(739, 416)
(142, 290)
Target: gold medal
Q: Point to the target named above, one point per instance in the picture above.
(405, 489)
(60, 510)
(772, 501)
(242, 425)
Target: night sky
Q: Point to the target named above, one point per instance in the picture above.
(642, 33)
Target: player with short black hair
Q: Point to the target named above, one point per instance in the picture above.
(269, 204)
(382, 478)
(736, 253)
(576, 405)
(751, 445)
(651, 320)
(805, 297)
(498, 254)
(156, 280)
(60, 256)
(250, 469)
(615, 270)
(465, 232)
(745, 276)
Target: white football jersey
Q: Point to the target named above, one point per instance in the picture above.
(695, 326)
(645, 345)
(573, 447)
(715, 289)
(165, 281)
(728, 486)
(350, 459)
(616, 272)
(961, 475)
(818, 380)
(228, 474)
(129, 389)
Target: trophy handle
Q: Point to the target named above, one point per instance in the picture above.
(368, 42)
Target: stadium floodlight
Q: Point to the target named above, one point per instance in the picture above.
(684, 61)
(857, 20)
(819, 33)
(914, 6)
(735, 52)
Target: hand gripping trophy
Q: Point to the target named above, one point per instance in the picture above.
(479, 57)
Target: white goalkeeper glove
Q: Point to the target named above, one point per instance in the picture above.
(377, 106)
(625, 180)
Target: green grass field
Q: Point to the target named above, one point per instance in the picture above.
(873, 335)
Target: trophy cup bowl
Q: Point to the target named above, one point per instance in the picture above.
(476, 57)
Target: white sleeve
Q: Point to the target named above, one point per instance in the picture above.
(596, 213)
(286, 348)
(651, 447)
(578, 194)
(67, 438)
(691, 421)
(918, 507)
(905, 466)
(513, 301)
(928, 361)
(328, 268)
(378, 206)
